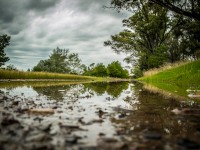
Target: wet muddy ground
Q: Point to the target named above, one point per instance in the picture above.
(96, 116)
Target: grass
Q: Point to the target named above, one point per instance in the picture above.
(21, 75)
(176, 79)
(7, 74)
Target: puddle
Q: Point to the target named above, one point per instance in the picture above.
(118, 115)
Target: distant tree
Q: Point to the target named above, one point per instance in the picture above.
(4, 41)
(115, 70)
(61, 61)
(99, 70)
(11, 67)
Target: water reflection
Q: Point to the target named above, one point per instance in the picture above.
(129, 112)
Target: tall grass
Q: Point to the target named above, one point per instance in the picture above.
(165, 67)
(178, 78)
(7, 74)
(184, 73)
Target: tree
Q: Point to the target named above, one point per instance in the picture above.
(189, 8)
(11, 67)
(60, 61)
(115, 70)
(145, 36)
(4, 41)
(100, 70)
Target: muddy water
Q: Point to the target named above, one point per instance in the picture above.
(95, 116)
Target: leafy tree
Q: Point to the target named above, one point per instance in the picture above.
(11, 67)
(189, 8)
(145, 36)
(60, 61)
(4, 41)
(98, 70)
(115, 70)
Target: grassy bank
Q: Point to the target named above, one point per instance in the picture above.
(45, 76)
(177, 78)
(7, 74)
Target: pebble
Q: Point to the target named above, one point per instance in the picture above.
(88, 148)
(111, 144)
(152, 135)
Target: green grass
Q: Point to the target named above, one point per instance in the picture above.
(177, 79)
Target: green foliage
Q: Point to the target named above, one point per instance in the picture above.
(112, 70)
(99, 70)
(60, 61)
(11, 67)
(4, 41)
(115, 70)
(137, 72)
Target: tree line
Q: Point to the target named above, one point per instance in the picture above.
(62, 61)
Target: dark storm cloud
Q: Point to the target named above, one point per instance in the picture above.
(38, 26)
(41, 4)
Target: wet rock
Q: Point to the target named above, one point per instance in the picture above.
(42, 111)
(186, 111)
(9, 120)
(122, 115)
(120, 131)
(187, 143)
(196, 95)
(72, 140)
(88, 148)
(38, 138)
(102, 134)
(152, 135)
(111, 144)
(100, 113)
(38, 146)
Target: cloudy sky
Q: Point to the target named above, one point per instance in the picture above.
(37, 27)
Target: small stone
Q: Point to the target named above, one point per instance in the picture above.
(152, 135)
(42, 111)
(72, 140)
(88, 148)
(8, 120)
(102, 134)
(111, 144)
(38, 138)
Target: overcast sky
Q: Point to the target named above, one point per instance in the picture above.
(37, 27)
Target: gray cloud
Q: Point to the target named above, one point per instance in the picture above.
(38, 26)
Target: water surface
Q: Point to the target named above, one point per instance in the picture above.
(84, 113)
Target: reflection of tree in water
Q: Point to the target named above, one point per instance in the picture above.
(98, 88)
(153, 113)
(113, 89)
(53, 91)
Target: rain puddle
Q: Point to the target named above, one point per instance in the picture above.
(90, 116)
